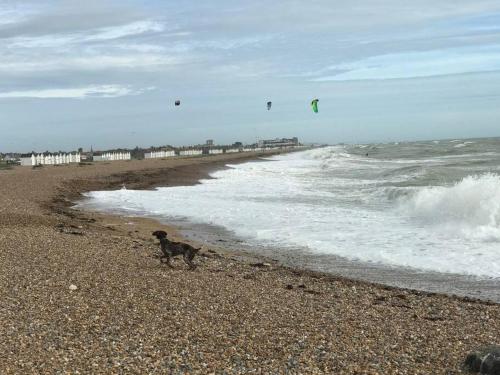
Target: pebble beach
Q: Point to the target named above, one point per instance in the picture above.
(84, 292)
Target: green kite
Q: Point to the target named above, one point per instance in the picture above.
(314, 105)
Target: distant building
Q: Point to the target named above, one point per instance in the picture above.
(11, 158)
(50, 159)
(159, 154)
(210, 142)
(190, 152)
(279, 142)
(111, 156)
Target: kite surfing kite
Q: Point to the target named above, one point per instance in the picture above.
(314, 105)
(177, 103)
(269, 104)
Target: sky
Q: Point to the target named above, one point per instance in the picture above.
(106, 74)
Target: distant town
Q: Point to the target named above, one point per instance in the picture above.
(82, 156)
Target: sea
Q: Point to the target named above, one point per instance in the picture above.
(421, 215)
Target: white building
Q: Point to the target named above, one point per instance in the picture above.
(112, 156)
(215, 151)
(159, 154)
(232, 150)
(190, 152)
(50, 159)
(279, 142)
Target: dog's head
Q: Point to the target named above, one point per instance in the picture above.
(159, 234)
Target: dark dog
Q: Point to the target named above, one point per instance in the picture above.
(171, 249)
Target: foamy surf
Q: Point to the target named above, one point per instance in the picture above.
(469, 208)
(400, 206)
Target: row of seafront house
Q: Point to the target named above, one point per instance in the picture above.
(50, 159)
(112, 156)
(67, 158)
(208, 149)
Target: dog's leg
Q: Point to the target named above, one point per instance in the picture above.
(168, 262)
(188, 259)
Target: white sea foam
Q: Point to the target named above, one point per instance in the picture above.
(464, 144)
(470, 208)
(332, 202)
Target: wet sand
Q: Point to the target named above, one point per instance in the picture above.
(85, 292)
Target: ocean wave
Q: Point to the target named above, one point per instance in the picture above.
(331, 157)
(464, 144)
(470, 207)
(327, 153)
(410, 170)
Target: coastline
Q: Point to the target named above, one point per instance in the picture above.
(227, 314)
(212, 236)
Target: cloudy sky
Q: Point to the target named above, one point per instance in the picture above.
(106, 73)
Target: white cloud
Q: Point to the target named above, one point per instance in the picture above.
(96, 35)
(87, 63)
(95, 91)
(418, 64)
(96, 49)
(341, 15)
(142, 48)
(134, 28)
(15, 13)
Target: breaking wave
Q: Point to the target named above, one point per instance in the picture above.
(470, 207)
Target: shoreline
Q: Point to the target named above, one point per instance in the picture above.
(74, 190)
(229, 313)
(449, 284)
(453, 285)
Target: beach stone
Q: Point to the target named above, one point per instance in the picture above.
(484, 361)
(261, 265)
(73, 287)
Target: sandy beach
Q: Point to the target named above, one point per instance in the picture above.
(84, 292)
